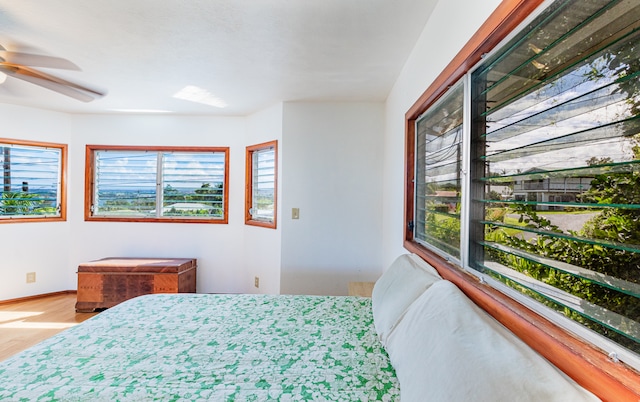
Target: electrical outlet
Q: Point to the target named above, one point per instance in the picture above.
(31, 277)
(256, 282)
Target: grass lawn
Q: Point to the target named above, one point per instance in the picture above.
(512, 221)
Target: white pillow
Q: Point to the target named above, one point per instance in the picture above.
(406, 279)
(448, 349)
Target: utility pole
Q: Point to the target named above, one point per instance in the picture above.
(6, 169)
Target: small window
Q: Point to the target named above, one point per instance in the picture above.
(157, 184)
(33, 187)
(262, 172)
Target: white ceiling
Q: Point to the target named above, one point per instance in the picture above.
(249, 53)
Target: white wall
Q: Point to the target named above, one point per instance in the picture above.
(262, 245)
(34, 247)
(450, 26)
(331, 171)
(219, 248)
(329, 167)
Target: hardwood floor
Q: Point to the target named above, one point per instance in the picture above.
(25, 323)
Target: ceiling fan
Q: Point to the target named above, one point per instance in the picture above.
(20, 65)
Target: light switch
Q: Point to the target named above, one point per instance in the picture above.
(295, 213)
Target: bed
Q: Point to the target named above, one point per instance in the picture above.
(418, 338)
(211, 347)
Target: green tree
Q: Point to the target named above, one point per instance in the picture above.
(208, 194)
(616, 262)
(17, 203)
(172, 195)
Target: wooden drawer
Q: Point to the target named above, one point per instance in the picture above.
(109, 281)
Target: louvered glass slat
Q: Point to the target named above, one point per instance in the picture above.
(441, 213)
(576, 114)
(555, 205)
(438, 241)
(31, 181)
(556, 129)
(578, 172)
(442, 169)
(623, 327)
(574, 240)
(438, 175)
(548, 46)
(630, 288)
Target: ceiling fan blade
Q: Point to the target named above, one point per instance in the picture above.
(36, 60)
(51, 82)
(61, 89)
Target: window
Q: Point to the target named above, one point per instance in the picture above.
(33, 186)
(261, 186)
(438, 178)
(550, 209)
(558, 108)
(156, 184)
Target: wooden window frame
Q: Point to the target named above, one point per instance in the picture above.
(248, 203)
(63, 182)
(89, 183)
(588, 365)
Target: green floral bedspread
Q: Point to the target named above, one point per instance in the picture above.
(210, 347)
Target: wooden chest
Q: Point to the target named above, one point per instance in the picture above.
(109, 281)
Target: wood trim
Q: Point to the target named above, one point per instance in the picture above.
(227, 193)
(35, 297)
(63, 181)
(89, 183)
(33, 219)
(32, 143)
(248, 189)
(586, 364)
(409, 179)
